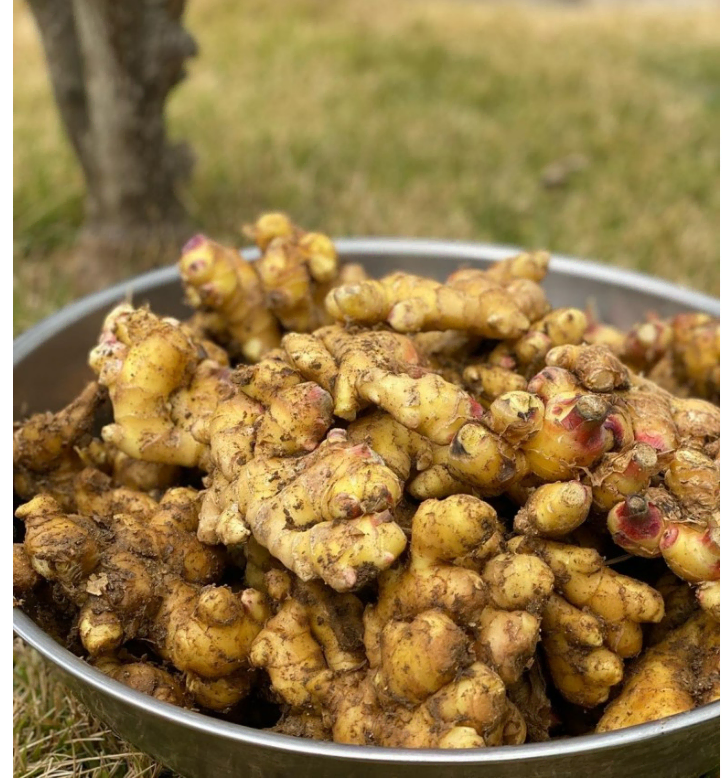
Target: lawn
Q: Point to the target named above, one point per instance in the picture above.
(589, 130)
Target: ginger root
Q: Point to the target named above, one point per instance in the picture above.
(142, 575)
(592, 622)
(676, 675)
(381, 368)
(474, 301)
(46, 448)
(341, 564)
(326, 514)
(159, 381)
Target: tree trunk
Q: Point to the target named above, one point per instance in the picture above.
(112, 65)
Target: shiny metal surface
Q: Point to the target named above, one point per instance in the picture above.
(195, 745)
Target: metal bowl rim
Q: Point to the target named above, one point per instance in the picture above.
(451, 250)
(78, 668)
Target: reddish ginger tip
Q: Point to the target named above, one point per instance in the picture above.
(476, 410)
(638, 525)
(669, 537)
(655, 441)
(194, 242)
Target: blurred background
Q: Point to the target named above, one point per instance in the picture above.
(587, 128)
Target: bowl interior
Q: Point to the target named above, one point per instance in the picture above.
(617, 297)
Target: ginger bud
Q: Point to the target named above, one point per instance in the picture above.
(646, 343)
(531, 349)
(595, 367)
(554, 509)
(623, 474)
(481, 458)
(637, 525)
(691, 552)
(515, 416)
(322, 259)
(572, 436)
(551, 381)
(269, 226)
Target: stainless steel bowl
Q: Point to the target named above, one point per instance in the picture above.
(195, 745)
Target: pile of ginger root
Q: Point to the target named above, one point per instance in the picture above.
(396, 512)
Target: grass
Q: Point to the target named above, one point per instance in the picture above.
(590, 130)
(53, 736)
(426, 118)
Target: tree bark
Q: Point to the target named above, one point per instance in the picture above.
(112, 65)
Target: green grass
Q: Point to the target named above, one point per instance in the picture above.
(436, 118)
(424, 119)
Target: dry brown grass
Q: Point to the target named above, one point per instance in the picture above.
(53, 736)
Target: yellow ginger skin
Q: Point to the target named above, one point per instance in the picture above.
(158, 383)
(251, 300)
(287, 650)
(697, 354)
(558, 327)
(348, 433)
(484, 458)
(457, 569)
(527, 354)
(417, 696)
(518, 587)
(584, 649)
(326, 514)
(314, 630)
(419, 657)
(470, 711)
(442, 532)
(526, 265)
(595, 367)
(209, 632)
(111, 568)
(572, 436)
(489, 382)
(622, 474)
(269, 226)
(217, 279)
(46, 457)
(25, 578)
(128, 472)
(316, 249)
(698, 422)
(288, 271)
(555, 509)
(61, 547)
(297, 413)
(555, 431)
(144, 677)
(143, 576)
(680, 523)
(273, 413)
(682, 354)
(409, 304)
(384, 369)
(582, 668)
(97, 496)
(403, 450)
(679, 673)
